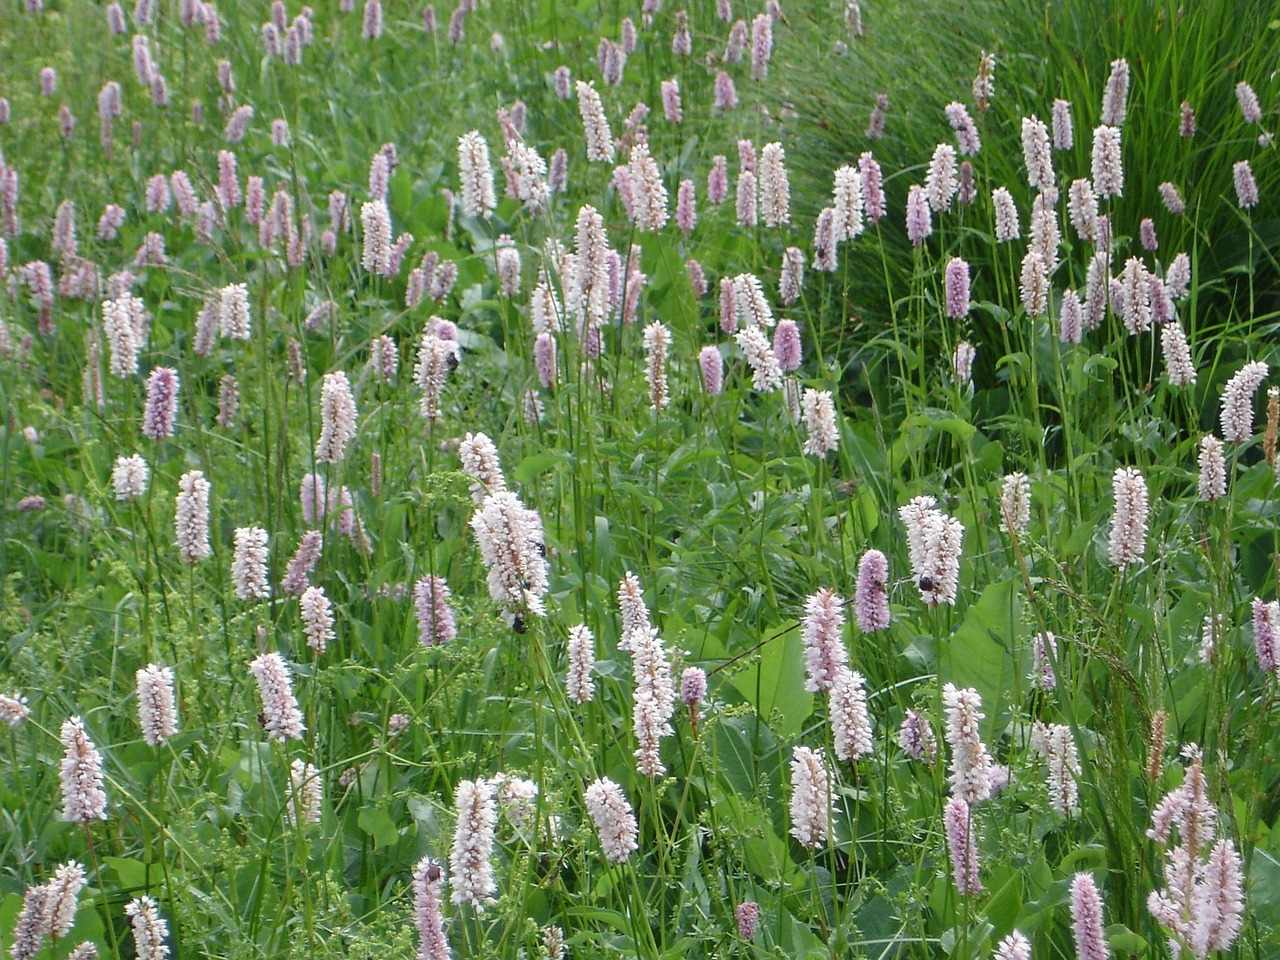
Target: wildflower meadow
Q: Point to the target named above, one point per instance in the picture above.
(639, 478)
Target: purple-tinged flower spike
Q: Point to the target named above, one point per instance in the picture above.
(819, 412)
(786, 345)
(1213, 469)
(726, 93)
(480, 462)
(1082, 209)
(745, 199)
(967, 139)
(544, 359)
(825, 653)
(297, 575)
(160, 414)
(919, 219)
(686, 207)
(599, 139)
(824, 241)
(761, 45)
(435, 617)
(810, 798)
(1147, 234)
(971, 765)
(149, 929)
(1248, 100)
(233, 311)
(428, 877)
(648, 192)
(613, 818)
(672, 109)
(511, 544)
(469, 862)
(279, 706)
(157, 715)
(747, 916)
(1086, 919)
(718, 180)
(851, 727)
(957, 288)
(1266, 634)
(30, 930)
(1129, 525)
(711, 363)
(1246, 185)
(1063, 129)
(871, 598)
(1237, 402)
(984, 84)
(191, 518)
(916, 737)
(847, 204)
(580, 686)
(376, 252)
(1107, 168)
(317, 618)
(83, 798)
(122, 341)
(958, 823)
(1013, 947)
(1116, 95)
(875, 123)
(872, 186)
(1172, 199)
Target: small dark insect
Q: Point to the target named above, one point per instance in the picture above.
(451, 361)
(925, 583)
(518, 624)
(262, 718)
(542, 548)
(433, 873)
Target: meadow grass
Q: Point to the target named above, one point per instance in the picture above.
(1075, 657)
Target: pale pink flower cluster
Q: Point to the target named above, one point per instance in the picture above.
(480, 462)
(1006, 215)
(1037, 153)
(1055, 743)
(940, 182)
(317, 618)
(1202, 905)
(436, 623)
(191, 518)
(475, 173)
(1015, 503)
(822, 436)
(825, 652)
(958, 825)
(775, 186)
(1106, 169)
(614, 821)
(971, 765)
(61, 895)
(916, 737)
(510, 539)
(427, 880)
(1266, 634)
(157, 714)
(810, 798)
(1086, 919)
(1213, 469)
(1044, 654)
(657, 341)
(470, 862)
(580, 686)
(337, 418)
(933, 544)
(649, 194)
(283, 719)
(851, 727)
(305, 794)
(249, 564)
(13, 709)
(871, 598)
(600, 146)
(1237, 402)
(1129, 526)
(149, 929)
(83, 798)
(437, 356)
(1178, 365)
(129, 477)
